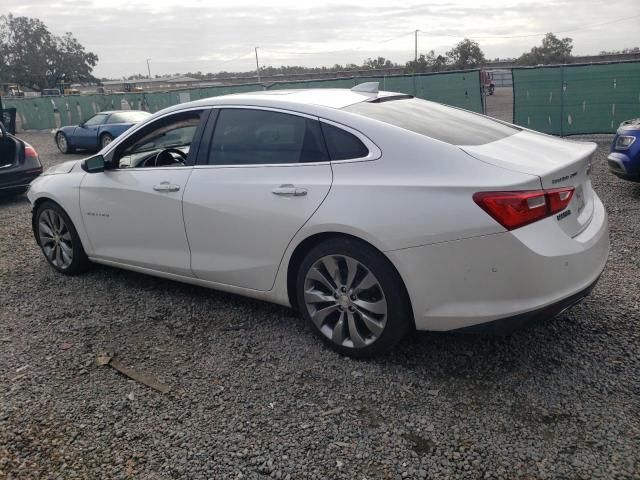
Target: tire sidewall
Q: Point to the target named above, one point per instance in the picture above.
(79, 262)
(102, 139)
(62, 135)
(399, 317)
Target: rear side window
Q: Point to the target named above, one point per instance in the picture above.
(434, 120)
(255, 137)
(341, 144)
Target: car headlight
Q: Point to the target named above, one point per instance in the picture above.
(623, 142)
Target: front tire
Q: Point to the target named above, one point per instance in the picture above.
(63, 143)
(59, 240)
(353, 298)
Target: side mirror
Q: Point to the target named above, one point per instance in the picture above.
(93, 164)
(81, 125)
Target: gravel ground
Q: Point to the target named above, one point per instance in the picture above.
(254, 395)
(500, 104)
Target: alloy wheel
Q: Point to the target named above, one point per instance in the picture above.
(345, 301)
(62, 143)
(55, 238)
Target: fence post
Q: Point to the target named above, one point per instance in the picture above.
(562, 100)
(513, 98)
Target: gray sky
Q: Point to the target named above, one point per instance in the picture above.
(195, 35)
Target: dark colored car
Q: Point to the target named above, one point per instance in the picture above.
(624, 159)
(98, 131)
(19, 163)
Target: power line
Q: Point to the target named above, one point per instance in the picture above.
(355, 49)
(586, 27)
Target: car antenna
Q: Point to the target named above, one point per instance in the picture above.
(367, 87)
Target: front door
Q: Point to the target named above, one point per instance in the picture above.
(265, 175)
(133, 212)
(86, 136)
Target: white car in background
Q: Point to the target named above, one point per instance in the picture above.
(371, 212)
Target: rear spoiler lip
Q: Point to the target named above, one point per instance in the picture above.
(583, 151)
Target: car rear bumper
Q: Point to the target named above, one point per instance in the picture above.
(522, 320)
(17, 179)
(509, 276)
(622, 166)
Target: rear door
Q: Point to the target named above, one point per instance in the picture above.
(266, 172)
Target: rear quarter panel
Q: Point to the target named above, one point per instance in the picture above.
(419, 192)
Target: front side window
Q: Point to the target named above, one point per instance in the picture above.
(96, 120)
(255, 137)
(165, 142)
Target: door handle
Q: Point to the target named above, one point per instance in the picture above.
(288, 190)
(166, 187)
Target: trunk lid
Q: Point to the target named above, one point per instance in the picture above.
(557, 162)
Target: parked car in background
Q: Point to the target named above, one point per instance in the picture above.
(624, 159)
(98, 131)
(19, 163)
(51, 92)
(373, 213)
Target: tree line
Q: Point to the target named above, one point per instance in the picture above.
(31, 56)
(465, 55)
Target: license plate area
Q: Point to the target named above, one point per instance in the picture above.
(579, 199)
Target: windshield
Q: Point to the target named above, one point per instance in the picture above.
(448, 124)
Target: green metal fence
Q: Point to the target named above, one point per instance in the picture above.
(460, 89)
(576, 99)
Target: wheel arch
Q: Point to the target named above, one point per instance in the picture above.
(36, 204)
(44, 198)
(305, 246)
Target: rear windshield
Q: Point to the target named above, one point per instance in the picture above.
(447, 124)
(128, 117)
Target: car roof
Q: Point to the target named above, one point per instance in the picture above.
(107, 112)
(304, 99)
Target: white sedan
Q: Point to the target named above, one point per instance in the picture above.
(373, 213)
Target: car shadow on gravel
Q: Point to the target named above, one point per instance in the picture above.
(539, 349)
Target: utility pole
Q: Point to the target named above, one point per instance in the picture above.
(149, 68)
(416, 42)
(257, 65)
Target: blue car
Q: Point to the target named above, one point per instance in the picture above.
(624, 159)
(98, 131)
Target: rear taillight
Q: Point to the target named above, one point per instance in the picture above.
(31, 160)
(516, 209)
(29, 151)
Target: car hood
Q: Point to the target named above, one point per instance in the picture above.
(65, 167)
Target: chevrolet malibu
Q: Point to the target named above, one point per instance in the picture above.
(371, 212)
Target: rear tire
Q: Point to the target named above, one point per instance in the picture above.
(353, 298)
(59, 240)
(63, 143)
